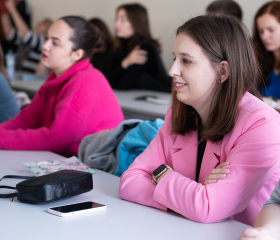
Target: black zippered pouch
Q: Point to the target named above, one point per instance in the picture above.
(50, 187)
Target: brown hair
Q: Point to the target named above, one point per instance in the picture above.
(138, 17)
(84, 36)
(225, 6)
(265, 58)
(223, 38)
(107, 38)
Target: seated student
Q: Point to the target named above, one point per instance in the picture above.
(8, 105)
(214, 118)
(30, 43)
(138, 64)
(103, 57)
(225, 7)
(267, 46)
(75, 100)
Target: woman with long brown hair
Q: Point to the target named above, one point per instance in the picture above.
(266, 38)
(216, 117)
(138, 64)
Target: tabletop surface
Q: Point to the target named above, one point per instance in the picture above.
(141, 102)
(121, 220)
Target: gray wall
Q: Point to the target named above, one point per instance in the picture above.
(165, 16)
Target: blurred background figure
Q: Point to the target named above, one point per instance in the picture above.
(8, 105)
(225, 6)
(24, 10)
(138, 64)
(29, 42)
(266, 39)
(102, 57)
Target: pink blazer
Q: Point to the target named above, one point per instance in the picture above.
(252, 148)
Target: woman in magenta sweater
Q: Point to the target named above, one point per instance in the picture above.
(76, 99)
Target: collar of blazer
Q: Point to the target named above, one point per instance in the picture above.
(186, 147)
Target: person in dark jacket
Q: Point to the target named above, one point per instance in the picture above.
(102, 57)
(137, 64)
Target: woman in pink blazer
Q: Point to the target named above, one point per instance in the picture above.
(216, 118)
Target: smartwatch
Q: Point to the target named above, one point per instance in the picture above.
(159, 171)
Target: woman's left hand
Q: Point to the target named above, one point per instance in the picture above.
(217, 173)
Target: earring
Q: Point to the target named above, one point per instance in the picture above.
(71, 60)
(219, 80)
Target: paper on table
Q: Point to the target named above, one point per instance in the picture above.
(46, 167)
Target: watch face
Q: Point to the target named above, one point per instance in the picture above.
(161, 168)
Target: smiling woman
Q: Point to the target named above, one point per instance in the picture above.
(76, 99)
(189, 60)
(215, 119)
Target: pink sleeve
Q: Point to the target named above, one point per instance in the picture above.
(54, 138)
(254, 158)
(70, 122)
(136, 183)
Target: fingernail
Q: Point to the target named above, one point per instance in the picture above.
(223, 175)
(227, 170)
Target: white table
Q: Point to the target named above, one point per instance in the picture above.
(131, 107)
(122, 220)
(30, 87)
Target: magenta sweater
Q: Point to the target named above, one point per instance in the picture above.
(63, 111)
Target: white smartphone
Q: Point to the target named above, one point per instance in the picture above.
(76, 209)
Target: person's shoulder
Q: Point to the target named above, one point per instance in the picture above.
(89, 76)
(3, 81)
(252, 111)
(2, 77)
(93, 72)
(251, 104)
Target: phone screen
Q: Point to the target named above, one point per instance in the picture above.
(77, 207)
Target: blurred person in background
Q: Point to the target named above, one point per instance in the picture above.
(29, 42)
(138, 64)
(103, 56)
